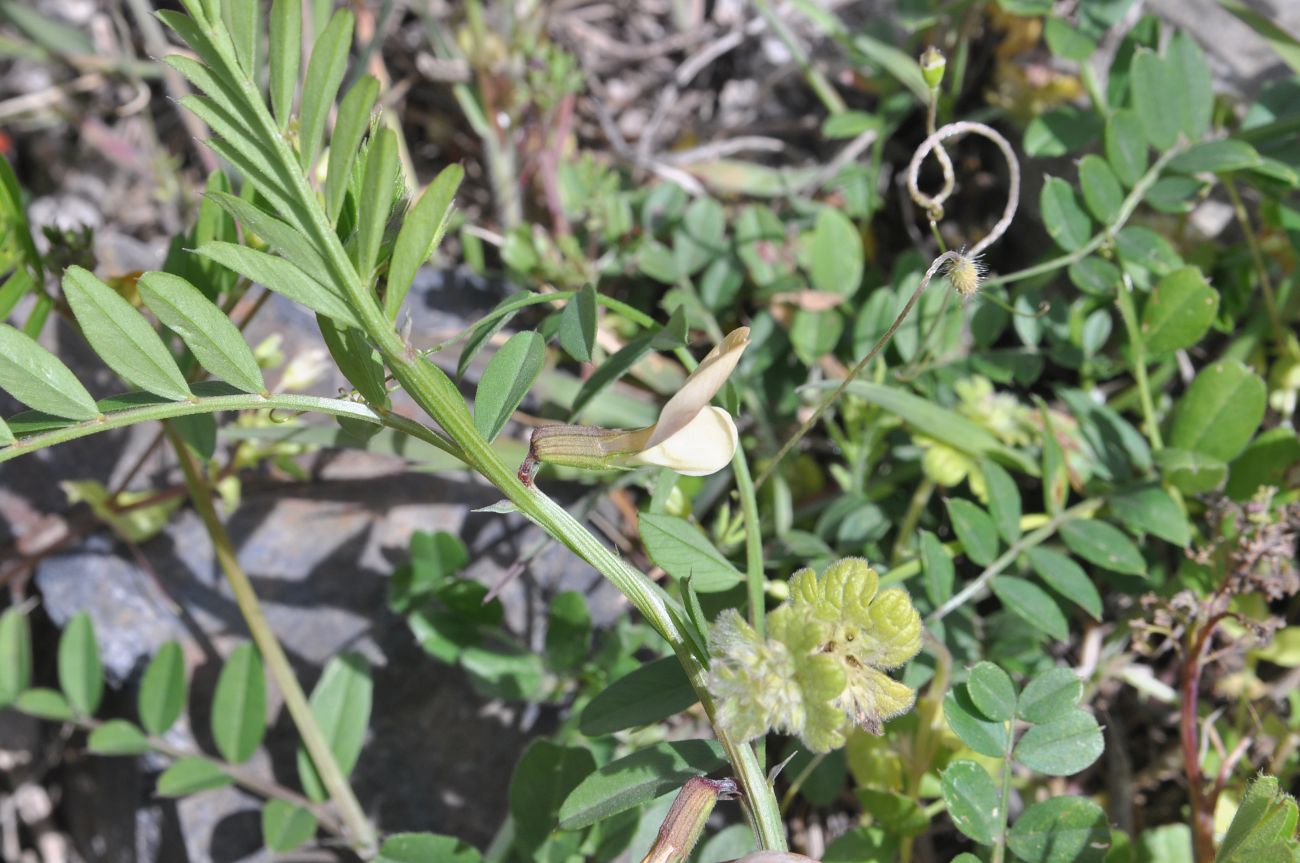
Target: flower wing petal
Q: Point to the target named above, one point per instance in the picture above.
(700, 387)
(704, 446)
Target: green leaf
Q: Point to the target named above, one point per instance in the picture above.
(938, 569)
(285, 57)
(1220, 411)
(1065, 220)
(1061, 830)
(15, 655)
(283, 238)
(19, 233)
(578, 324)
(638, 778)
(426, 848)
(848, 124)
(190, 775)
(279, 275)
(1265, 462)
(1179, 311)
(972, 800)
(682, 550)
(1104, 545)
(1050, 694)
(1004, 499)
(356, 359)
(421, 232)
(376, 204)
(568, 631)
(285, 826)
(1101, 190)
(975, 530)
(162, 689)
(242, 17)
(939, 423)
(1191, 472)
(647, 694)
(39, 380)
(122, 338)
(506, 380)
(1175, 195)
(898, 63)
(117, 737)
(211, 336)
(81, 676)
(992, 692)
(1159, 98)
(1032, 604)
(239, 705)
(1263, 826)
(329, 60)
(1060, 131)
(350, 127)
(1142, 247)
(1126, 146)
(1067, 41)
(1063, 746)
(701, 237)
(543, 779)
(977, 731)
(896, 812)
(45, 704)
(835, 254)
(1056, 475)
(672, 335)
(6, 436)
(1067, 578)
(1195, 93)
(341, 704)
(814, 334)
(1150, 509)
(1217, 157)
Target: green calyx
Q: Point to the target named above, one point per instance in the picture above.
(933, 65)
(821, 669)
(587, 447)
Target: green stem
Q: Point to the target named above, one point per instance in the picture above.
(1004, 799)
(911, 518)
(754, 577)
(360, 831)
(1079, 510)
(1126, 210)
(1257, 256)
(216, 404)
(854, 372)
(1137, 348)
(828, 95)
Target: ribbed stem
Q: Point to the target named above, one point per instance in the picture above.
(360, 830)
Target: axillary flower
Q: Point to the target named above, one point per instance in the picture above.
(821, 670)
(692, 437)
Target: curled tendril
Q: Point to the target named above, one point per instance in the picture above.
(930, 204)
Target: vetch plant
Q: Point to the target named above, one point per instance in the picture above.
(1036, 491)
(690, 437)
